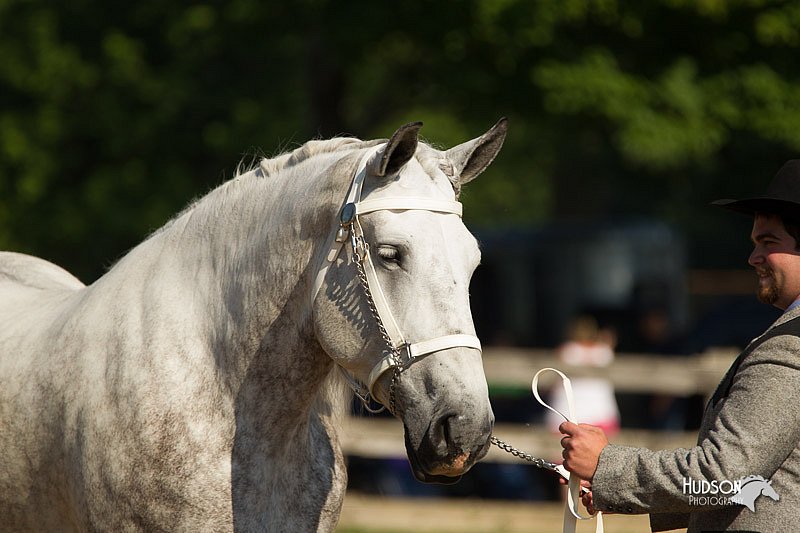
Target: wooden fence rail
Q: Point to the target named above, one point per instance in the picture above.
(676, 375)
(514, 368)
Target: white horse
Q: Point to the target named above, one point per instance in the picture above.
(192, 387)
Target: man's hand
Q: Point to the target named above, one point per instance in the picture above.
(586, 494)
(586, 498)
(582, 445)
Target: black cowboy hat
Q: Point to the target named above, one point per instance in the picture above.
(782, 197)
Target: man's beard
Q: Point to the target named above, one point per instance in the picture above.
(770, 292)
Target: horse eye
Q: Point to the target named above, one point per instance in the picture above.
(390, 254)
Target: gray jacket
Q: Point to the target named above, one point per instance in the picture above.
(750, 427)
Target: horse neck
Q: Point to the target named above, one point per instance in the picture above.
(262, 266)
(241, 261)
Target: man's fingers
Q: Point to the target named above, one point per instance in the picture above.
(568, 428)
(581, 448)
(586, 498)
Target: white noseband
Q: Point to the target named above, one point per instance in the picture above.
(350, 229)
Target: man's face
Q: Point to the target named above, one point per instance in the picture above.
(776, 260)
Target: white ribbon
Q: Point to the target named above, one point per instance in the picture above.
(571, 510)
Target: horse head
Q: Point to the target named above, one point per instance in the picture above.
(768, 491)
(751, 488)
(413, 299)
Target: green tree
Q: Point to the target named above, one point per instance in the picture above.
(113, 115)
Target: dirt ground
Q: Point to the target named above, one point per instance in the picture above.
(371, 514)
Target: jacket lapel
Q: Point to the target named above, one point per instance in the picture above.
(725, 385)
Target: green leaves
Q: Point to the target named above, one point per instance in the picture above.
(114, 115)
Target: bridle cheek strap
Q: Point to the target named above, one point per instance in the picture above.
(350, 230)
(412, 351)
(378, 297)
(421, 349)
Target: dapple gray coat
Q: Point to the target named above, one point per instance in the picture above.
(753, 430)
(193, 387)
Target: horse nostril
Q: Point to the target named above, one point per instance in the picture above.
(455, 433)
(447, 430)
(453, 430)
(444, 429)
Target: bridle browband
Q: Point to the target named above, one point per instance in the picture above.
(401, 353)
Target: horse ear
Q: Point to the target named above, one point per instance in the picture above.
(399, 150)
(472, 157)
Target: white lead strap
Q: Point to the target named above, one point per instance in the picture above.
(571, 510)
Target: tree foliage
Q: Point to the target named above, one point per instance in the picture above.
(115, 114)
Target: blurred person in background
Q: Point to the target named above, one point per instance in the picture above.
(589, 345)
(750, 432)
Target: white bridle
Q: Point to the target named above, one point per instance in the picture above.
(350, 229)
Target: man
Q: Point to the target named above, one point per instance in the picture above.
(751, 425)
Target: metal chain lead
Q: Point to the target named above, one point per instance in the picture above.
(358, 243)
(360, 249)
(541, 463)
(360, 246)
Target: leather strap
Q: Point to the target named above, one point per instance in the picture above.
(424, 348)
(335, 242)
(441, 343)
(402, 203)
(389, 322)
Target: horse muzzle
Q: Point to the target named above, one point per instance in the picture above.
(445, 453)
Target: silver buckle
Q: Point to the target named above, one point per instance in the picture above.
(346, 218)
(348, 214)
(404, 351)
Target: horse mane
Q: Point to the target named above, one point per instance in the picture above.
(285, 160)
(333, 397)
(271, 166)
(268, 167)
